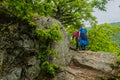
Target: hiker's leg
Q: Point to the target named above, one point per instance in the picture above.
(84, 47)
(77, 43)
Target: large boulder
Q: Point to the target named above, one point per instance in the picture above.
(88, 65)
(101, 61)
(62, 48)
(19, 47)
(18, 50)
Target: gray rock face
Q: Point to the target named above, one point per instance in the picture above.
(99, 61)
(88, 65)
(18, 52)
(62, 48)
(1, 60)
(19, 47)
(14, 75)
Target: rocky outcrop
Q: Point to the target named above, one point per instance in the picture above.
(88, 65)
(62, 48)
(18, 49)
(95, 60)
(19, 46)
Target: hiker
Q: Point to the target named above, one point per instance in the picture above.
(76, 36)
(83, 39)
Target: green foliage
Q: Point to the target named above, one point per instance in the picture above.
(99, 4)
(100, 39)
(115, 24)
(51, 34)
(27, 9)
(49, 69)
(69, 12)
(73, 43)
(116, 35)
(72, 12)
(45, 52)
(70, 31)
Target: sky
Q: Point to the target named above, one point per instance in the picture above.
(111, 15)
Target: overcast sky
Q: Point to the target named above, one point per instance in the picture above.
(112, 14)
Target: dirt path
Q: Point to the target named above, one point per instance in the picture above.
(85, 73)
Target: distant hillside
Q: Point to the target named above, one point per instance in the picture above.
(115, 23)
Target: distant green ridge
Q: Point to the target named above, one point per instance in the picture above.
(115, 24)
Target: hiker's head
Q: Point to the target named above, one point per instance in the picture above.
(76, 29)
(83, 26)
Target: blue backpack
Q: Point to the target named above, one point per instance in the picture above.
(83, 34)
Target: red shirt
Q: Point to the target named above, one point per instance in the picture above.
(76, 34)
